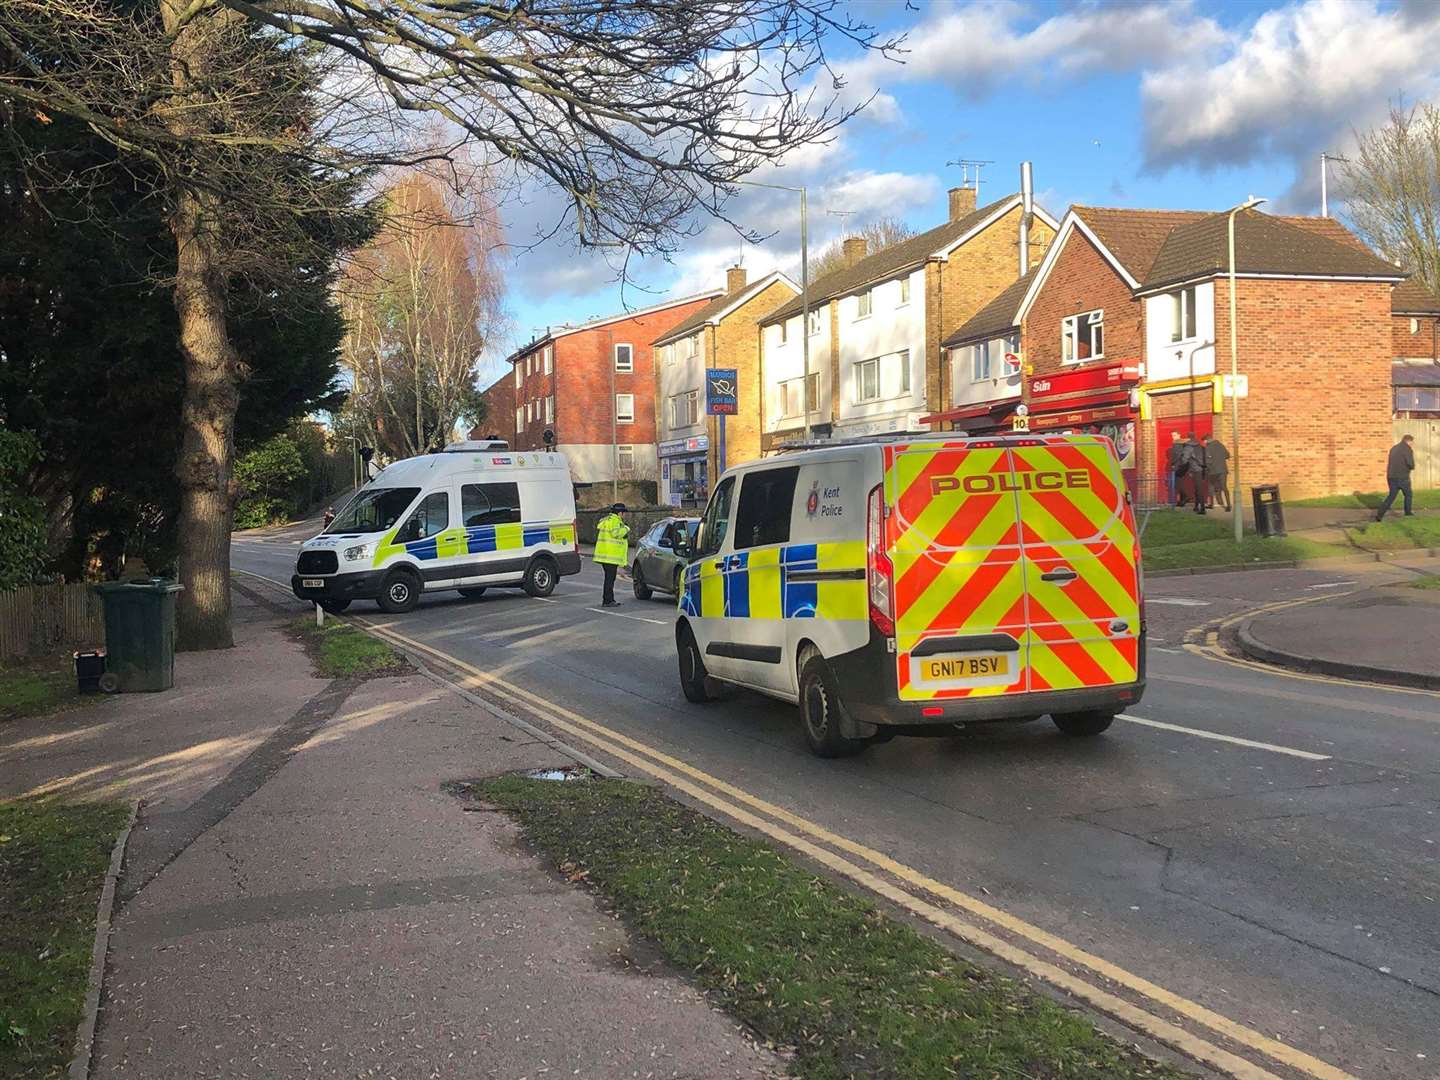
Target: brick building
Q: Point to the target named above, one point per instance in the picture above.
(593, 385)
(1124, 328)
(722, 334)
(875, 325)
(499, 422)
(1415, 375)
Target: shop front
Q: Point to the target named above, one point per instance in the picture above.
(684, 471)
(1101, 400)
(985, 418)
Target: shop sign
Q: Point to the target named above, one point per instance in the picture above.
(693, 445)
(1097, 378)
(721, 392)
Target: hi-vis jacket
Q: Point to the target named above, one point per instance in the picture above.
(611, 536)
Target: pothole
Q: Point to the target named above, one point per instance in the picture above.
(562, 773)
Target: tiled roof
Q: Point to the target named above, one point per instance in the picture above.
(1263, 245)
(715, 307)
(883, 264)
(1134, 237)
(996, 317)
(1412, 298)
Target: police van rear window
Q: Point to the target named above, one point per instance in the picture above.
(766, 499)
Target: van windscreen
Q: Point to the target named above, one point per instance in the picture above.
(374, 510)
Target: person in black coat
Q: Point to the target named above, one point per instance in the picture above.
(1398, 468)
(1174, 468)
(1217, 471)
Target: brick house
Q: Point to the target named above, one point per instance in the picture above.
(1124, 328)
(593, 385)
(722, 334)
(875, 325)
(499, 422)
(1415, 375)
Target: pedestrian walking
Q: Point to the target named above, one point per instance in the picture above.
(1195, 473)
(1174, 469)
(1217, 471)
(1397, 474)
(611, 550)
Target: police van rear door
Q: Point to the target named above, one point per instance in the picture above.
(1080, 561)
(953, 537)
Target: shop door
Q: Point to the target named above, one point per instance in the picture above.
(1201, 424)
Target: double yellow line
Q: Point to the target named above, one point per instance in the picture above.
(1021, 948)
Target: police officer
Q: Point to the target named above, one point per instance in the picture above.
(611, 549)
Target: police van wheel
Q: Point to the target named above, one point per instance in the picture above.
(334, 607)
(472, 592)
(1083, 723)
(693, 678)
(637, 582)
(399, 593)
(821, 710)
(540, 578)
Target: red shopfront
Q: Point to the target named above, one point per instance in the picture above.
(1100, 399)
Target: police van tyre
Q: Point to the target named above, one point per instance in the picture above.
(821, 711)
(1083, 723)
(694, 680)
(637, 582)
(472, 592)
(540, 577)
(399, 592)
(334, 607)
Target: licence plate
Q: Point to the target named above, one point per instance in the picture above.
(950, 668)
(312, 583)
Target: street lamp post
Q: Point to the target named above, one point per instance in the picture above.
(1248, 204)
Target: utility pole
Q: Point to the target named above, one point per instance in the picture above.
(1248, 204)
(1325, 159)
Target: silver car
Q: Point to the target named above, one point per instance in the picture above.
(657, 568)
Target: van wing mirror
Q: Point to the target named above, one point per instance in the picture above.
(682, 542)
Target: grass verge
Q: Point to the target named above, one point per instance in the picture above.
(53, 858)
(39, 686)
(1396, 534)
(1427, 499)
(1166, 528)
(802, 962)
(1253, 549)
(338, 649)
(1428, 581)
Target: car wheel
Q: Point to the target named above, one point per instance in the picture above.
(693, 678)
(637, 582)
(399, 592)
(540, 577)
(472, 592)
(334, 607)
(821, 711)
(1083, 723)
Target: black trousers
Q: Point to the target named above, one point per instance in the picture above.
(608, 596)
(1220, 489)
(1396, 489)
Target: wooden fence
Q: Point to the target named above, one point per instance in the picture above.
(44, 618)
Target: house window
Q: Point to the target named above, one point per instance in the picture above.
(625, 458)
(685, 409)
(904, 291)
(687, 347)
(814, 316)
(624, 408)
(1182, 315)
(529, 365)
(547, 359)
(980, 362)
(790, 395)
(867, 380)
(863, 304)
(519, 417)
(667, 354)
(517, 374)
(624, 358)
(550, 409)
(903, 357)
(1082, 337)
(785, 330)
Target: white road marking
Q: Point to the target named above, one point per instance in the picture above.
(622, 615)
(1232, 739)
(1177, 601)
(1331, 585)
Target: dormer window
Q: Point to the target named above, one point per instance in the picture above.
(1082, 337)
(1182, 315)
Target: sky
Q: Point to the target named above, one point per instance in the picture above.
(1181, 104)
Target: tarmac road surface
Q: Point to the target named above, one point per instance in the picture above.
(1265, 846)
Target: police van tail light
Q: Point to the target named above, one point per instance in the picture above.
(879, 572)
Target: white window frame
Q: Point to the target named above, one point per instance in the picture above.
(980, 361)
(547, 359)
(1069, 333)
(785, 330)
(667, 355)
(519, 417)
(685, 409)
(903, 357)
(628, 365)
(1182, 311)
(519, 378)
(550, 409)
(786, 387)
(814, 317)
(628, 415)
(864, 304)
(904, 291)
(862, 367)
(625, 457)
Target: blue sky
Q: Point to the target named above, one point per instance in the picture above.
(1153, 104)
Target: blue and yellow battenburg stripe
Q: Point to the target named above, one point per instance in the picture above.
(757, 584)
(480, 539)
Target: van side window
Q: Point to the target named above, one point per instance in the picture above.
(489, 504)
(717, 519)
(766, 498)
(430, 518)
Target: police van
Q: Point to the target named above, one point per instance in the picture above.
(907, 586)
(475, 516)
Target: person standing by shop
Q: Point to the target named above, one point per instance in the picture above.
(1217, 471)
(612, 550)
(1397, 474)
(1196, 488)
(1174, 469)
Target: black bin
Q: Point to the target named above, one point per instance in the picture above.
(139, 634)
(1269, 513)
(89, 670)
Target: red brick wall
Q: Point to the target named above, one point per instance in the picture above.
(1081, 280)
(499, 410)
(1318, 356)
(1422, 343)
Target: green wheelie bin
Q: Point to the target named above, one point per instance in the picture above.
(139, 634)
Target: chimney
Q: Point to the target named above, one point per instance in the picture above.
(962, 202)
(1027, 214)
(734, 280)
(854, 249)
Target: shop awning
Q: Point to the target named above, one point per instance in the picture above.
(1080, 401)
(1081, 417)
(971, 412)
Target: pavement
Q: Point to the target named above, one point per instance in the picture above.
(303, 897)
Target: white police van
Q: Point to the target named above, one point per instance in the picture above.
(475, 516)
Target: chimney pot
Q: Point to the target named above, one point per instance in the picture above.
(962, 202)
(854, 249)
(734, 280)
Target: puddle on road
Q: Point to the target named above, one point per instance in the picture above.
(565, 772)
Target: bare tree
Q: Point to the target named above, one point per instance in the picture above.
(641, 111)
(879, 234)
(1393, 190)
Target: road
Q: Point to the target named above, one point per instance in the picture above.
(1288, 881)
